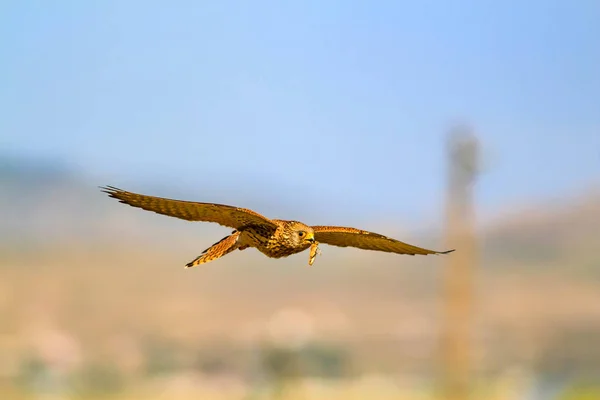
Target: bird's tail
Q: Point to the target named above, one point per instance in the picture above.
(217, 250)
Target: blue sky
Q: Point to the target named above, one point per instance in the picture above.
(321, 101)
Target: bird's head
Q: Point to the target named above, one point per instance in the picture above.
(302, 234)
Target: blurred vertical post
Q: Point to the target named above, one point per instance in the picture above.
(463, 167)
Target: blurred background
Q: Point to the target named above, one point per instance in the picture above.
(468, 125)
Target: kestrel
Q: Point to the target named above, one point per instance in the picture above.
(273, 237)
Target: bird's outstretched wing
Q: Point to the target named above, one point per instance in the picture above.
(225, 215)
(352, 237)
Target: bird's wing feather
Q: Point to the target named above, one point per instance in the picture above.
(352, 237)
(225, 215)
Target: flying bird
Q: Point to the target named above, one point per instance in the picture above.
(274, 238)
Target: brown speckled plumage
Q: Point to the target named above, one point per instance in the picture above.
(273, 237)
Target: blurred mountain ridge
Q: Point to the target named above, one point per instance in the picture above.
(48, 202)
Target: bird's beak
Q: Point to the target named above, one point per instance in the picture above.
(310, 237)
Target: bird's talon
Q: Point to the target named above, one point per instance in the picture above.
(314, 250)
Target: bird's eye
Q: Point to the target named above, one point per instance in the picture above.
(301, 233)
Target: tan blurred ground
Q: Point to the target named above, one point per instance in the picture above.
(117, 315)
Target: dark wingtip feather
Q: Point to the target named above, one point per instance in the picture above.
(110, 190)
(447, 251)
(113, 192)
